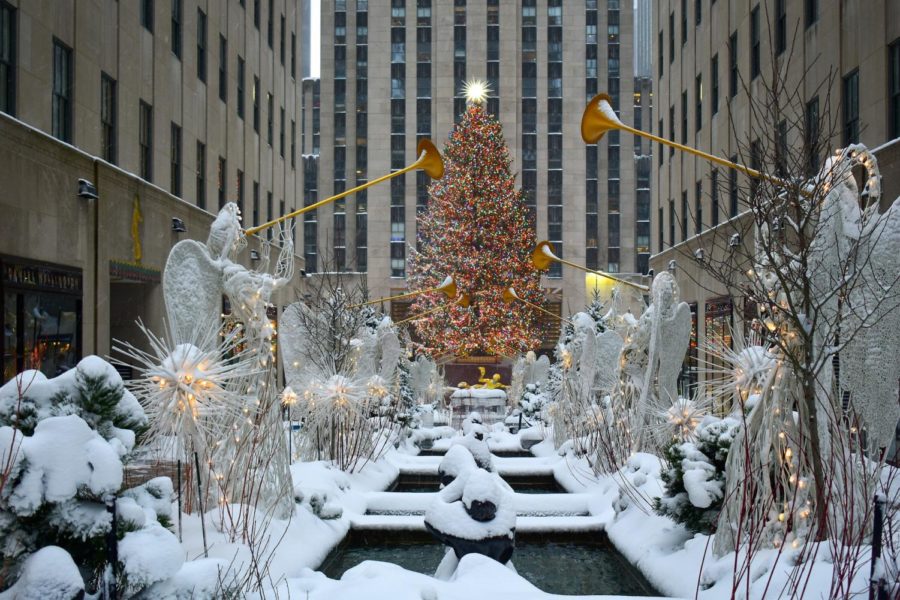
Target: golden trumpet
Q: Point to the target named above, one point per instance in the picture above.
(509, 294)
(599, 117)
(429, 161)
(447, 287)
(463, 301)
(542, 256)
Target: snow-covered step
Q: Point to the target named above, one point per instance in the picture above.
(523, 524)
(411, 503)
(428, 465)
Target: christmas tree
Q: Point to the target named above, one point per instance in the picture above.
(477, 229)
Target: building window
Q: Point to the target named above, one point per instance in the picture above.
(255, 104)
(754, 42)
(281, 41)
(780, 27)
(147, 15)
(698, 102)
(660, 240)
(281, 135)
(671, 37)
(894, 90)
(733, 65)
(293, 144)
(684, 117)
(684, 22)
(221, 181)
(850, 103)
(812, 134)
(698, 207)
(42, 317)
(293, 55)
(175, 161)
(661, 53)
(714, 196)
(146, 140)
(714, 85)
(201, 175)
(108, 117)
(698, 11)
(255, 215)
(810, 11)
(7, 58)
(176, 27)
(270, 121)
(684, 215)
(201, 45)
(240, 191)
(671, 223)
(733, 190)
(240, 87)
(270, 213)
(223, 69)
(270, 25)
(62, 91)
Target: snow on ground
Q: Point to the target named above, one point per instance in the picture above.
(476, 577)
(669, 556)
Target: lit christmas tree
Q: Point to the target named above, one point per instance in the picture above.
(477, 229)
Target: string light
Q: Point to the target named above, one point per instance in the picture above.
(479, 230)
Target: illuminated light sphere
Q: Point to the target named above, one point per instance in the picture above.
(190, 391)
(289, 396)
(476, 91)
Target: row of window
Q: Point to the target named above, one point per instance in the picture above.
(147, 12)
(62, 100)
(810, 15)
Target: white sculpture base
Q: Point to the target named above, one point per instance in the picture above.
(490, 403)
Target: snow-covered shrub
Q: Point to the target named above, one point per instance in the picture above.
(695, 478)
(93, 390)
(62, 441)
(533, 401)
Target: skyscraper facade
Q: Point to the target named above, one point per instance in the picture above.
(390, 77)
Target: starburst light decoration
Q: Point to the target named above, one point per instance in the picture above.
(190, 390)
(476, 91)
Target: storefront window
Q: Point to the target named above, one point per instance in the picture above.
(41, 318)
(687, 378)
(719, 323)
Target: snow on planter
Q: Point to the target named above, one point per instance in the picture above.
(479, 449)
(457, 461)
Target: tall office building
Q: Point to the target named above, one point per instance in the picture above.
(711, 60)
(170, 108)
(390, 77)
(643, 38)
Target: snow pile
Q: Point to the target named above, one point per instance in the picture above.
(154, 496)
(63, 456)
(457, 461)
(449, 513)
(479, 449)
(93, 390)
(150, 555)
(47, 574)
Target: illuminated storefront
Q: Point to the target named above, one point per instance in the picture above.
(41, 316)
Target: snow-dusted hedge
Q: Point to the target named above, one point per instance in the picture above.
(62, 443)
(695, 478)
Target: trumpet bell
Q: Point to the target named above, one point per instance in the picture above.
(598, 118)
(430, 161)
(464, 300)
(509, 295)
(540, 258)
(448, 287)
